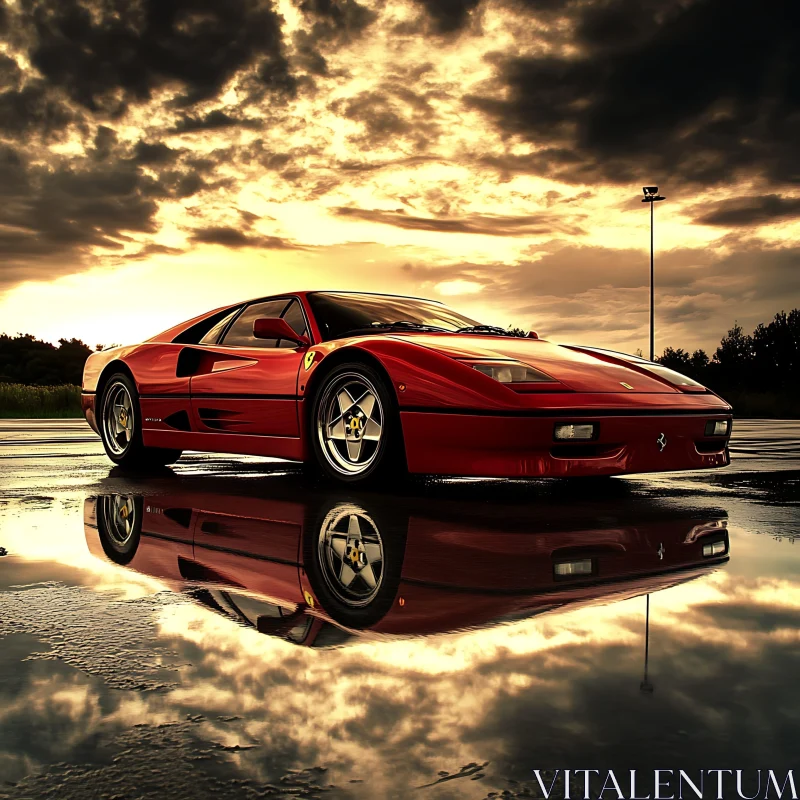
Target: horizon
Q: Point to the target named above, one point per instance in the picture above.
(660, 352)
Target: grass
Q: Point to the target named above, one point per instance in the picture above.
(763, 405)
(29, 402)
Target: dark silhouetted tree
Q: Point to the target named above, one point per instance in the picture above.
(768, 362)
(25, 359)
(679, 360)
(733, 359)
(776, 352)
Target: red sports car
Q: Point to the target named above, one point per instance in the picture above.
(364, 384)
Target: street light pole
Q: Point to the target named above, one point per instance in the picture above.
(652, 196)
(645, 685)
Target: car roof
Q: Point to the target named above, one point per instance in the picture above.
(337, 291)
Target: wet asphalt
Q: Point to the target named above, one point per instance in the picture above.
(489, 628)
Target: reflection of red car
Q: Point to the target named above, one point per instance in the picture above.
(308, 568)
(363, 383)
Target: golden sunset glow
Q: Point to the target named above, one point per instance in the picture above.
(469, 152)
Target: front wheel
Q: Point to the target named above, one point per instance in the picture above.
(353, 557)
(121, 427)
(355, 425)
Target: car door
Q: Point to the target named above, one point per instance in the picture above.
(244, 385)
(252, 544)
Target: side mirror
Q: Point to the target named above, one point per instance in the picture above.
(533, 335)
(276, 328)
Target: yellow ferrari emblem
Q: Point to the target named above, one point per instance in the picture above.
(310, 356)
(309, 599)
(626, 385)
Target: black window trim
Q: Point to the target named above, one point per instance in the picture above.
(234, 315)
(234, 309)
(289, 297)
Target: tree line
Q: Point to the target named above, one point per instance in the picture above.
(766, 361)
(25, 359)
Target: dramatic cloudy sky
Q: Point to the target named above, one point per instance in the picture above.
(162, 157)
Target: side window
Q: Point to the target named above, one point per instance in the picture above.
(202, 331)
(297, 322)
(294, 316)
(212, 336)
(240, 333)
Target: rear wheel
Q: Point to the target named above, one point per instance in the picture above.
(355, 425)
(121, 427)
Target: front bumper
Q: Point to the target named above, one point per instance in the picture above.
(490, 445)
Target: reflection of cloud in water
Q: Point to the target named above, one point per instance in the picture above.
(111, 639)
(524, 694)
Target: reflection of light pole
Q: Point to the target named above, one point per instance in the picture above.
(652, 196)
(645, 685)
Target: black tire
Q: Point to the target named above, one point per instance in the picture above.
(119, 526)
(378, 527)
(126, 447)
(387, 459)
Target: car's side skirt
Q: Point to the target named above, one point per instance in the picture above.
(239, 443)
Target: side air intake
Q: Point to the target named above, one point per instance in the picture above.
(179, 420)
(221, 420)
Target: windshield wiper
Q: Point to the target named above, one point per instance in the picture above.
(408, 325)
(486, 329)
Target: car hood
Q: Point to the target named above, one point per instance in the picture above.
(579, 371)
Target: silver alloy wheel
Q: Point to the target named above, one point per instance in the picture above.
(350, 552)
(350, 423)
(120, 515)
(118, 419)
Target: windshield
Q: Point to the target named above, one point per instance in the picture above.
(340, 314)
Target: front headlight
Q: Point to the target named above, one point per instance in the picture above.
(511, 372)
(572, 432)
(573, 569)
(715, 549)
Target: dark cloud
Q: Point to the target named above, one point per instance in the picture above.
(214, 120)
(383, 118)
(138, 47)
(153, 153)
(334, 23)
(449, 16)
(342, 20)
(696, 91)
(343, 15)
(486, 224)
(153, 250)
(235, 238)
(31, 108)
(53, 215)
(746, 211)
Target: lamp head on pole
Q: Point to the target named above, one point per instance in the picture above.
(651, 194)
